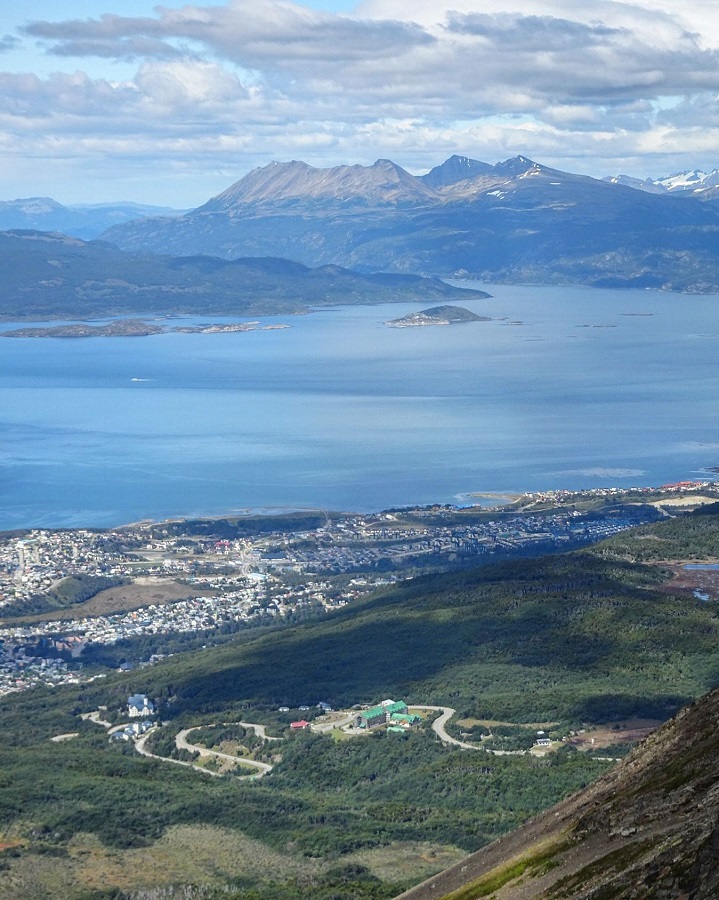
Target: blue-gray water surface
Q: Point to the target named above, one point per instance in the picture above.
(565, 387)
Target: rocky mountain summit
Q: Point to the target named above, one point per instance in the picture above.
(648, 828)
(454, 169)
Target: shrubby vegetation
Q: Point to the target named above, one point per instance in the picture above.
(578, 637)
(691, 537)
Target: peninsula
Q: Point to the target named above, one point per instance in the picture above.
(132, 328)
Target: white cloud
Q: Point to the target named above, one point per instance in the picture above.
(229, 86)
(188, 82)
(459, 58)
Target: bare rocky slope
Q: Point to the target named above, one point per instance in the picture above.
(649, 828)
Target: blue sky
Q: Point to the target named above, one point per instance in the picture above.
(125, 99)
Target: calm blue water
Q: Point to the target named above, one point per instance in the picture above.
(594, 388)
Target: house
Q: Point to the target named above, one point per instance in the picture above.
(542, 740)
(325, 707)
(132, 731)
(139, 705)
(299, 726)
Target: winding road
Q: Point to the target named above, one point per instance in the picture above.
(95, 717)
(439, 730)
(183, 744)
(441, 721)
(140, 747)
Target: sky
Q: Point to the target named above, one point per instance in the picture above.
(104, 100)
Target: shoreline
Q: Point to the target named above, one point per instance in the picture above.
(664, 495)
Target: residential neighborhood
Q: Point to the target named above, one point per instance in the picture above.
(160, 579)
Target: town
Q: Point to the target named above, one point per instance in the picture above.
(62, 592)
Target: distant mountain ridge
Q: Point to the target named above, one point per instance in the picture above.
(518, 221)
(86, 221)
(695, 183)
(383, 183)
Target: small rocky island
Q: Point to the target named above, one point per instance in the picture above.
(437, 315)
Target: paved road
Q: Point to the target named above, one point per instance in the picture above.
(441, 721)
(140, 747)
(183, 744)
(324, 727)
(259, 730)
(95, 717)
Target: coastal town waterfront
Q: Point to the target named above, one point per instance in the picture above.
(63, 593)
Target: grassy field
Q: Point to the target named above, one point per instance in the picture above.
(183, 855)
(119, 599)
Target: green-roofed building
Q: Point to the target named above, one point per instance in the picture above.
(371, 718)
(404, 719)
(381, 714)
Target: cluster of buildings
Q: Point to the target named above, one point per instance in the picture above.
(687, 489)
(20, 671)
(391, 542)
(139, 706)
(197, 614)
(132, 731)
(392, 714)
(33, 564)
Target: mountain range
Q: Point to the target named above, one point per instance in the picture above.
(697, 184)
(518, 221)
(86, 221)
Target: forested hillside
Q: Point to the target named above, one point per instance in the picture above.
(565, 642)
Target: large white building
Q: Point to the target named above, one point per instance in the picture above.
(139, 705)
